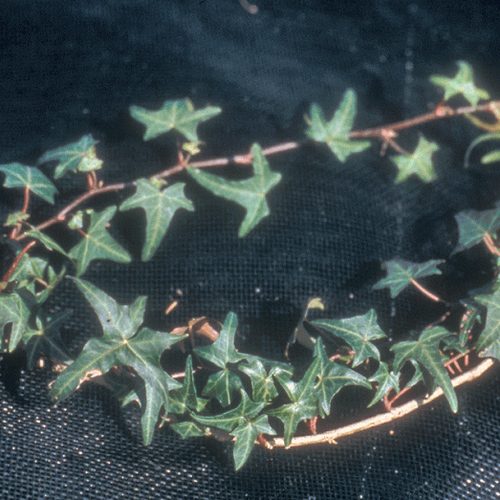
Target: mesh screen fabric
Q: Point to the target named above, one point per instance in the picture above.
(70, 68)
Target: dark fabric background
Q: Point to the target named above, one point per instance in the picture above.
(72, 67)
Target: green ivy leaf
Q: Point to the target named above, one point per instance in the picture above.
(263, 388)
(488, 343)
(79, 156)
(335, 133)
(473, 226)
(174, 114)
(13, 311)
(49, 243)
(461, 84)
(332, 377)
(222, 351)
(46, 340)
(249, 193)
(21, 176)
(401, 273)
(187, 430)
(245, 435)
(97, 243)
(418, 163)
(123, 343)
(385, 381)
(15, 217)
(222, 385)
(488, 158)
(471, 317)
(185, 399)
(357, 332)
(160, 207)
(425, 351)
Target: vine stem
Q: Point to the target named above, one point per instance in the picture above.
(330, 437)
(490, 244)
(15, 262)
(426, 292)
(385, 133)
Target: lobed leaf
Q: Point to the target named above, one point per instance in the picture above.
(488, 343)
(401, 273)
(15, 312)
(79, 156)
(21, 176)
(473, 226)
(159, 206)
(418, 163)
(336, 132)
(186, 398)
(249, 193)
(385, 381)
(174, 114)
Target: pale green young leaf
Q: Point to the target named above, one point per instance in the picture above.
(461, 84)
(13, 312)
(249, 193)
(21, 176)
(79, 156)
(335, 133)
(385, 381)
(159, 206)
(426, 352)
(488, 158)
(49, 243)
(98, 243)
(358, 332)
(174, 114)
(15, 217)
(401, 273)
(473, 226)
(488, 343)
(187, 430)
(418, 163)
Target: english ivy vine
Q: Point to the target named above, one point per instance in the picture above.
(222, 391)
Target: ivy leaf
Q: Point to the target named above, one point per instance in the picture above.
(222, 385)
(184, 399)
(263, 388)
(488, 343)
(174, 114)
(222, 351)
(473, 226)
(13, 311)
(15, 218)
(418, 163)
(425, 351)
(245, 435)
(97, 243)
(49, 243)
(401, 273)
(357, 332)
(385, 381)
(461, 84)
(303, 403)
(21, 176)
(160, 207)
(46, 340)
(123, 343)
(187, 430)
(79, 156)
(249, 193)
(471, 317)
(488, 158)
(335, 133)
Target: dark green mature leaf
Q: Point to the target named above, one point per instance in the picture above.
(358, 332)
(245, 435)
(461, 84)
(263, 388)
(98, 243)
(385, 381)
(425, 351)
(79, 156)
(46, 340)
(418, 163)
(488, 343)
(174, 114)
(160, 206)
(222, 385)
(222, 351)
(185, 399)
(473, 226)
(20, 176)
(123, 343)
(335, 133)
(249, 193)
(14, 312)
(401, 273)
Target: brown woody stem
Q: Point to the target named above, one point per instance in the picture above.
(331, 437)
(15, 262)
(426, 292)
(490, 244)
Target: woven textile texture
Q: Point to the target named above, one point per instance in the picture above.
(69, 68)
